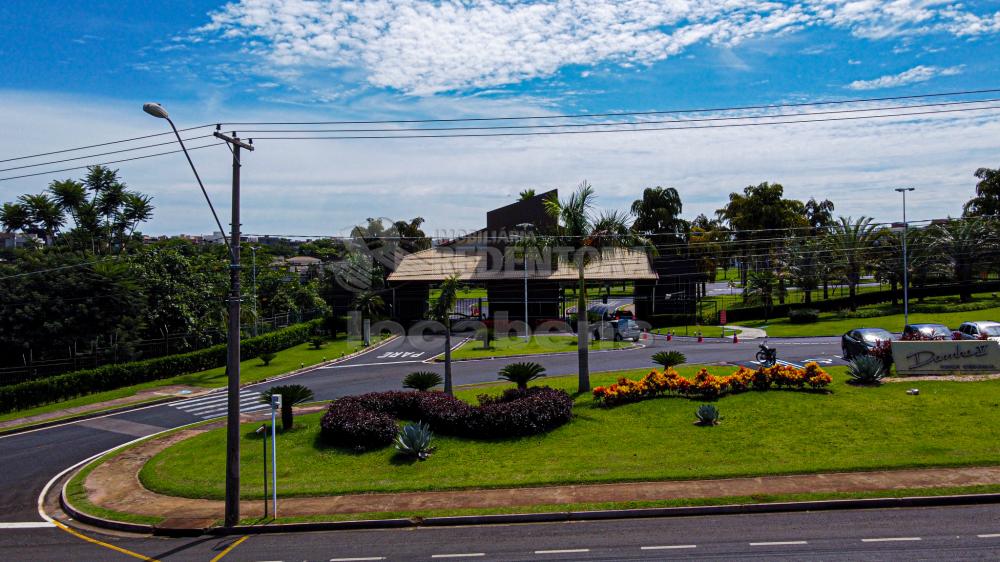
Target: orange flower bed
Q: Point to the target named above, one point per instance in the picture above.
(707, 385)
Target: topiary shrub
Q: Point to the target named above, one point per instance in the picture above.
(266, 358)
(291, 394)
(803, 316)
(316, 342)
(669, 358)
(364, 421)
(422, 380)
(522, 373)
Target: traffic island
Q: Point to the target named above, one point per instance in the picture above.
(848, 445)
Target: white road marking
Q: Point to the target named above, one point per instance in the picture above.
(563, 551)
(461, 555)
(360, 559)
(27, 525)
(892, 539)
(669, 547)
(990, 536)
(778, 543)
(370, 364)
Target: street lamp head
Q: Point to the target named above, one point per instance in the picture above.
(902, 189)
(156, 110)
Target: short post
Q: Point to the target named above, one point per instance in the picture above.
(262, 430)
(275, 404)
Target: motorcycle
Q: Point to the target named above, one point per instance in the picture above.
(767, 356)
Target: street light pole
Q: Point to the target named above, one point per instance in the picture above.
(253, 251)
(232, 516)
(906, 276)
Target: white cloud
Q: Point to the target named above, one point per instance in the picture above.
(324, 187)
(916, 74)
(425, 47)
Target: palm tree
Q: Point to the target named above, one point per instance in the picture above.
(964, 242)
(14, 216)
(291, 394)
(370, 303)
(658, 213)
(136, 208)
(851, 242)
(588, 236)
(46, 215)
(442, 313)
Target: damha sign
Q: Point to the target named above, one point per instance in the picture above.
(946, 357)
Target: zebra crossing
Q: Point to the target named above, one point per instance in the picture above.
(214, 406)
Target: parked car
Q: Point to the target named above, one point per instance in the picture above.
(986, 329)
(617, 330)
(927, 332)
(860, 341)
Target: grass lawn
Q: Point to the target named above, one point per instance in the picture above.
(775, 432)
(251, 370)
(830, 324)
(505, 347)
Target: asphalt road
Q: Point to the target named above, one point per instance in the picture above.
(30, 460)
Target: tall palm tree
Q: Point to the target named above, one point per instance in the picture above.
(46, 215)
(588, 236)
(851, 242)
(442, 313)
(14, 216)
(964, 243)
(370, 303)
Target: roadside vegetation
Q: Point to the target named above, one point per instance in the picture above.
(506, 347)
(850, 428)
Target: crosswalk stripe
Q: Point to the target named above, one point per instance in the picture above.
(212, 397)
(223, 400)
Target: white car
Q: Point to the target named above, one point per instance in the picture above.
(980, 330)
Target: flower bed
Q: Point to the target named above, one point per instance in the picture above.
(369, 420)
(707, 385)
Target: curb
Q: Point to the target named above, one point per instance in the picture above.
(169, 399)
(434, 360)
(551, 517)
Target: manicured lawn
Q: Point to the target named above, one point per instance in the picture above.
(830, 324)
(251, 370)
(774, 432)
(505, 347)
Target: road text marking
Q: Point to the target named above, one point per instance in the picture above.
(892, 539)
(461, 555)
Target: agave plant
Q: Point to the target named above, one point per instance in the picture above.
(422, 380)
(414, 440)
(522, 373)
(707, 414)
(669, 358)
(866, 370)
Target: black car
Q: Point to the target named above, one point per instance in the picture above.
(927, 332)
(860, 341)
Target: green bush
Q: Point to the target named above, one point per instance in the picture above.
(109, 377)
(316, 342)
(522, 373)
(422, 380)
(669, 358)
(267, 357)
(803, 316)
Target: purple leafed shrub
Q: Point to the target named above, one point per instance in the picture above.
(369, 420)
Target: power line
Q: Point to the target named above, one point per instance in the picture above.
(100, 144)
(620, 123)
(103, 154)
(632, 130)
(623, 113)
(109, 162)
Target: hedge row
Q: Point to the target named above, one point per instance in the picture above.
(369, 420)
(109, 377)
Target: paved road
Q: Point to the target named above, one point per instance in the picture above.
(32, 459)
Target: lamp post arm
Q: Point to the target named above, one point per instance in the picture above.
(202, 186)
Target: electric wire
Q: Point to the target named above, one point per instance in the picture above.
(103, 154)
(102, 144)
(8, 178)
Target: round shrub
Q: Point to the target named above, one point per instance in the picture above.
(803, 316)
(348, 423)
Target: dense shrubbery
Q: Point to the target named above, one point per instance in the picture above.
(706, 385)
(803, 316)
(109, 377)
(883, 352)
(369, 420)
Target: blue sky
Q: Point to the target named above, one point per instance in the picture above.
(76, 72)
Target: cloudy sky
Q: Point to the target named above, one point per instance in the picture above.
(76, 73)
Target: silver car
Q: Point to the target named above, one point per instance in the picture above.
(617, 330)
(988, 330)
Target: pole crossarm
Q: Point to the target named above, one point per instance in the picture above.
(233, 140)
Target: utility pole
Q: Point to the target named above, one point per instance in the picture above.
(253, 250)
(906, 277)
(233, 345)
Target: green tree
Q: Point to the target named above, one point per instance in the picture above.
(291, 394)
(45, 216)
(14, 217)
(526, 194)
(369, 303)
(851, 242)
(986, 203)
(800, 263)
(441, 312)
(588, 236)
(658, 214)
(964, 243)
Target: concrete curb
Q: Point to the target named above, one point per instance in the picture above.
(434, 360)
(169, 399)
(95, 520)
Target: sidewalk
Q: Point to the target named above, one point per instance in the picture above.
(115, 485)
(748, 333)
